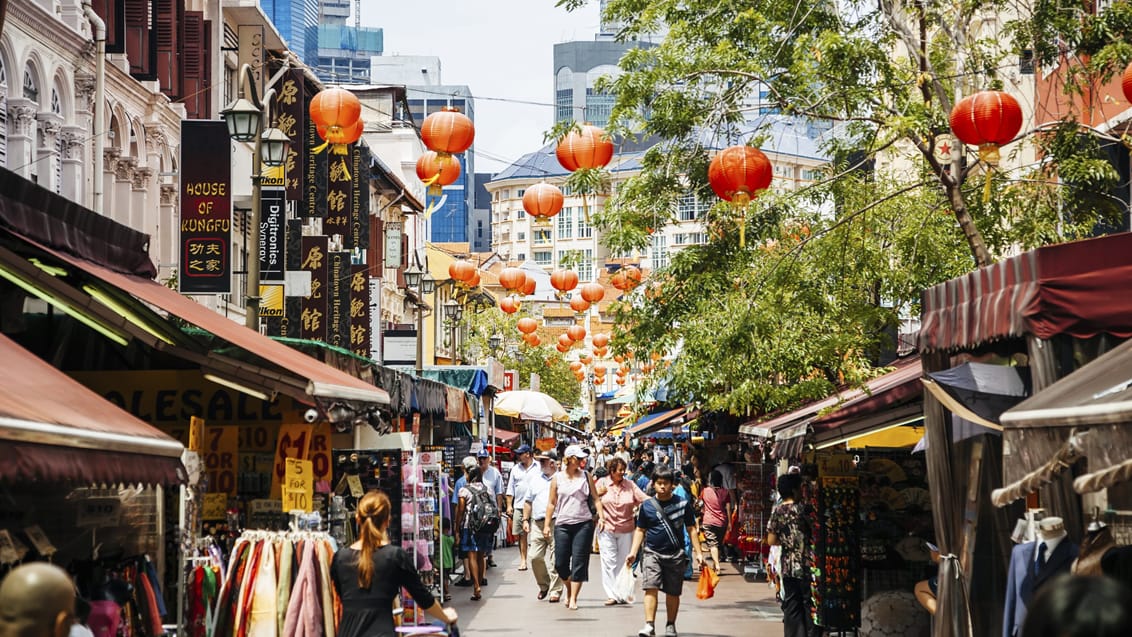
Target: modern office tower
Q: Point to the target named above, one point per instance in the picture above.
(344, 50)
(427, 94)
(479, 224)
(296, 21)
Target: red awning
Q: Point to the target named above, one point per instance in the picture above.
(323, 380)
(1081, 289)
(906, 369)
(895, 397)
(52, 428)
(508, 438)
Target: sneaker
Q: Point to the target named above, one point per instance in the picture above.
(647, 631)
(670, 630)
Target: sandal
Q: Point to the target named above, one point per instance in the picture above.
(476, 597)
(542, 594)
(611, 602)
(554, 599)
(447, 597)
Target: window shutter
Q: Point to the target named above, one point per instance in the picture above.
(112, 13)
(195, 74)
(4, 127)
(404, 260)
(137, 36)
(58, 164)
(375, 256)
(169, 15)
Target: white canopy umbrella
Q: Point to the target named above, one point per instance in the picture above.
(530, 405)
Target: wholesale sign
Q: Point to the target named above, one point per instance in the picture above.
(206, 208)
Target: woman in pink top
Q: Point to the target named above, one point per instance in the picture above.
(619, 497)
(717, 511)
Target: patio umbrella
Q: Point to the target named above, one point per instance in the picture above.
(530, 405)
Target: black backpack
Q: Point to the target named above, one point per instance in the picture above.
(483, 511)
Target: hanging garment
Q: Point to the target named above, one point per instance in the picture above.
(196, 614)
(226, 604)
(105, 618)
(151, 573)
(247, 589)
(262, 618)
(283, 589)
(304, 612)
(326, 587)
(147, 600)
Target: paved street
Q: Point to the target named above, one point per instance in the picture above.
(509, 607)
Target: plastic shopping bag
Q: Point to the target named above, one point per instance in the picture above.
(706, 588)
(625, 586)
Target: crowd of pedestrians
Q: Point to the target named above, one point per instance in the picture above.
(636, 509)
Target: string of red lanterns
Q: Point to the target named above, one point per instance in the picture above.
(738, 174)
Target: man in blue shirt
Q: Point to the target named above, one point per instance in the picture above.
(661, 522)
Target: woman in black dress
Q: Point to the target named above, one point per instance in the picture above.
(370, 572)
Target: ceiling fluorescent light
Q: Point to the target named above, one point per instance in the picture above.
(90, 322)
(231, 384)
(131, 316)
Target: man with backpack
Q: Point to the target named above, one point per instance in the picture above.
(478, 515)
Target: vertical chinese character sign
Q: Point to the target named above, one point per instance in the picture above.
(291, 117)
(206, 208)
(360, 312)
(316, 260)
(338, 200)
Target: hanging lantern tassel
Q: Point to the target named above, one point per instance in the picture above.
(742, 199)
(988, 153)
(434, 206)
(585, 209)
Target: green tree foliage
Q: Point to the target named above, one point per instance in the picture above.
(555, 377)
(828, 270)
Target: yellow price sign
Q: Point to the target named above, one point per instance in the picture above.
(214, 507)
(298, 485)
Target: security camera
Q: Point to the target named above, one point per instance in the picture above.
(310, 415)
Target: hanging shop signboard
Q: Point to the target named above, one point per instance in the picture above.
(99, 512)
(359, 311)
(294, 442)
(338, 299)
(315, 261)
(392, 244)
(272, 220)
(358, 236)
(291, 118)
(298, 492)
(338, 195)
(206, 209)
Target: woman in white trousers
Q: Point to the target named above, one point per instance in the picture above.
(619, 499)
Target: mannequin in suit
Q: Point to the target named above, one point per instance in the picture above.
(1032, 564)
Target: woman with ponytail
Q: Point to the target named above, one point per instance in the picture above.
(369, 574)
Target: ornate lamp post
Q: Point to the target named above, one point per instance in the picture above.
(453, 313)
(423, 283)
(246, 119)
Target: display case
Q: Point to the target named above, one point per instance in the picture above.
(754, 483)
(422, 522)
(834, 551)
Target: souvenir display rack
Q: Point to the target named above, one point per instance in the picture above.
(754, 483)
(358, 471)
(834, 552)
(422, 523)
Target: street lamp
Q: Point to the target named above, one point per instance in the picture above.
(453, 312)
(423, 283)
(246, 119)
(494, 342)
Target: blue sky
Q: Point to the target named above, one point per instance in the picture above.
(501, 49)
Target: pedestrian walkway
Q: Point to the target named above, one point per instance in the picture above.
(509, 607)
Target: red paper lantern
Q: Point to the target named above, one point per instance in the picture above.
(600, 352)
(461, 270)
(593, 292)
(579, 376)
(1126, 83)
(576, 333)
(585, 358)
(512, 279)
(473, 282)
(527, 325)
(335, 110)
(531, 340)
(626, 278)
(619, 381)
(437, 170)
(564, 280)
(565, 340)
(578, 304)
(601, 340)
(987, 119)
(509, 304)
(448, 131)
(529, 287)
(585, 147)
(599, 372)
(575, 366)
(738, 173)
(346, 135)
(542, 200)
(562, 348)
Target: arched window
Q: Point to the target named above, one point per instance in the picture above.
(564, 95)
(56, 106)
(31, 88)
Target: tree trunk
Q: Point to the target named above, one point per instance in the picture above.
(967, 224)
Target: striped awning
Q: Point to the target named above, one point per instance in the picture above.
(1078, 288)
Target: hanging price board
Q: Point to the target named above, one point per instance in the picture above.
(99, 512)
(215, 506)
(38, 538)
(298, 485)
(8, 552)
